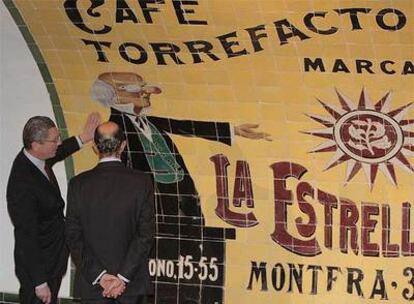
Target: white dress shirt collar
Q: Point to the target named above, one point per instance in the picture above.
(143, 126)
(39, 163)
(109, 159)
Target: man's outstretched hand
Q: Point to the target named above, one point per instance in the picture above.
(112, 285)
(93, 120)
(247, 130)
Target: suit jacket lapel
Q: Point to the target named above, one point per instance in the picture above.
(39, 175)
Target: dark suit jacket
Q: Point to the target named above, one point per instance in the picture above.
(110, 226)
(36, 210)
(134, 156)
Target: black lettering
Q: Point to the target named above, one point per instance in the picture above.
(363, 65)
(408, 293)
(278, 281)
(383, 66)
(292, 31)
(124, 12)
(166, 49)
(180, 11)
(353, 14)
(311, 26)
(146, 11)
(408, 68)
(72, 11)
(340, 66)
(256, 273)
(402, 19)
(142, 58)
(200, 46)
(315, 269)
(98, 48)
(296, 274)
(254, 37)
(355, 281)
(315, 65)
(331, 278)
(228, 45)
(379, 286)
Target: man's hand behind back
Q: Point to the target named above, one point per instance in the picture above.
(44, 294)
(112, 285)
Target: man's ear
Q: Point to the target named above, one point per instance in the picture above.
(95, 149)
(34, 146)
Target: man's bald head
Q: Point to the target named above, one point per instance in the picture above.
(109, 139)
(125, 91)
(114, 77)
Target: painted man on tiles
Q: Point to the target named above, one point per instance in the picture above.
(149, 146)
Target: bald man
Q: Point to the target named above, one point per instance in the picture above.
(110, 225)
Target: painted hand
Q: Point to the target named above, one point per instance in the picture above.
(247, 130)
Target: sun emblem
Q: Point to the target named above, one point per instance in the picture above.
(367, 136)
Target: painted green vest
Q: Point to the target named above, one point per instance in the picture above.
(163, 165)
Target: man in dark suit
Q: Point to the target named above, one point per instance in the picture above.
(36, 208)
(110, 224)
(151, 149)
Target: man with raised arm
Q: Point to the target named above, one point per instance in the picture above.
(36, 208)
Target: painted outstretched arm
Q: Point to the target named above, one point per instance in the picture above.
(210, 130)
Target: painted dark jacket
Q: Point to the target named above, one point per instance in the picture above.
(175, 190)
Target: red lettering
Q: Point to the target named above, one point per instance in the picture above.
(367, 227)
(283, 198)
(223, 211)
(388, 250)
(348, 221)
(329, 201)
(407, 246)
(243, 190)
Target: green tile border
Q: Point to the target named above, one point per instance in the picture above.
(47, 78)
(6, 297)
(53, 95)
(10, 297)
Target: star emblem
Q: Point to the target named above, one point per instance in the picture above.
(366, 136)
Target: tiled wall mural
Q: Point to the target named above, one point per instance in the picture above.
(279, 135)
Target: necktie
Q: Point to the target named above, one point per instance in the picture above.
(51, 176)
(144, 128)
(139, 123)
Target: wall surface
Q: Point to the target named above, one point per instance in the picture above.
(23, 94)
(288, 122)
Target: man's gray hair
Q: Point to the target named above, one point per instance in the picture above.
(36, 130)
(103, 92)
